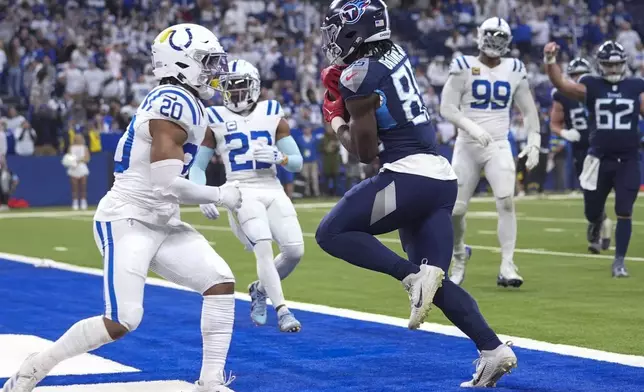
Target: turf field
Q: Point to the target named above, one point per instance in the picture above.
(569, 296)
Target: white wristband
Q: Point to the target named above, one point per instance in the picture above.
(550, 60)
(337, 122)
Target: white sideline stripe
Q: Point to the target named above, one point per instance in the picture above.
(299, 206)
(475, 247)
(531, 344)
(144, 386)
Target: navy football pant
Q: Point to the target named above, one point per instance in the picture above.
(624, 176)
(621, 175)
(420, 208)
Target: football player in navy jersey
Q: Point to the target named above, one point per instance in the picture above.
(614, 104)
(374, 105)
(569, 119)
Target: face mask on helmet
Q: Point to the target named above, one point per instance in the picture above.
(240, 91)
(214, 65)
(613, 71)
(494, 43)
(332, 50)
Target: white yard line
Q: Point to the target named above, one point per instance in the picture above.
(494, 249)
(562, 349)
(299, 206)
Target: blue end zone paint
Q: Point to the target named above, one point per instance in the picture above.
(330, 354)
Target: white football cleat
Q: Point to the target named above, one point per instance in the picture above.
(459, 260)
(509, 276)
(217, 385)
(26, 379)
(421, 288)
(491, 366)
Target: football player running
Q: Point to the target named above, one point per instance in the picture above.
(252, 138)
(614, 104)
(569, 119)
(477, 98)
(374, 105)
(137, 225)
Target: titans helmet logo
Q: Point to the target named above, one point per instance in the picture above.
(351, 12)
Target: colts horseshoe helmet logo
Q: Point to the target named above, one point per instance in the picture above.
(351, 12)
(169, 34)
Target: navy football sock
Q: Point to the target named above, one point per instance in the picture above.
(622, 236)
(366, 251)
(461, 309)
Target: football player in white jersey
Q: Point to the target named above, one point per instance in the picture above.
(478, 98)
(137, 225)
(252, 137)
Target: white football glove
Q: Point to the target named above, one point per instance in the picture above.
(268, 154)
(230, 196)
(531, 150)
(481, 136)
(210, 211)
(572, 135)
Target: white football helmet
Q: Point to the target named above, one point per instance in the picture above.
(192, 55)
(494, 37)
(241, 86)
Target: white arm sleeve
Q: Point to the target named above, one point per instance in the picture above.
(450, 100)
(168, 184)
(525, 102)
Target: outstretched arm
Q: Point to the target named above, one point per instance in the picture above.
(166, 158)
(567, 87)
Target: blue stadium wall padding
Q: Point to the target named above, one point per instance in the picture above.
(44, 181)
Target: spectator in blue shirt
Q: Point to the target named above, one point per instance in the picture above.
(310, 171)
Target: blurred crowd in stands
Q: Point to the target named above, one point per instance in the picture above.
(83, 66)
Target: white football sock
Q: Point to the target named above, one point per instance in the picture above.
(84, 336)
(217, 318)
(458, 225)
(506, 228)
(267, 272)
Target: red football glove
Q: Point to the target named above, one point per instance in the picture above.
(331, 79)
(332, 108)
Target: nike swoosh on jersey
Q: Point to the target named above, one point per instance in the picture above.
(172, 97)
(349, 77)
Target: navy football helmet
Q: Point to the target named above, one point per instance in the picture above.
(579, 66)
(611, 58)
(350, 23)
